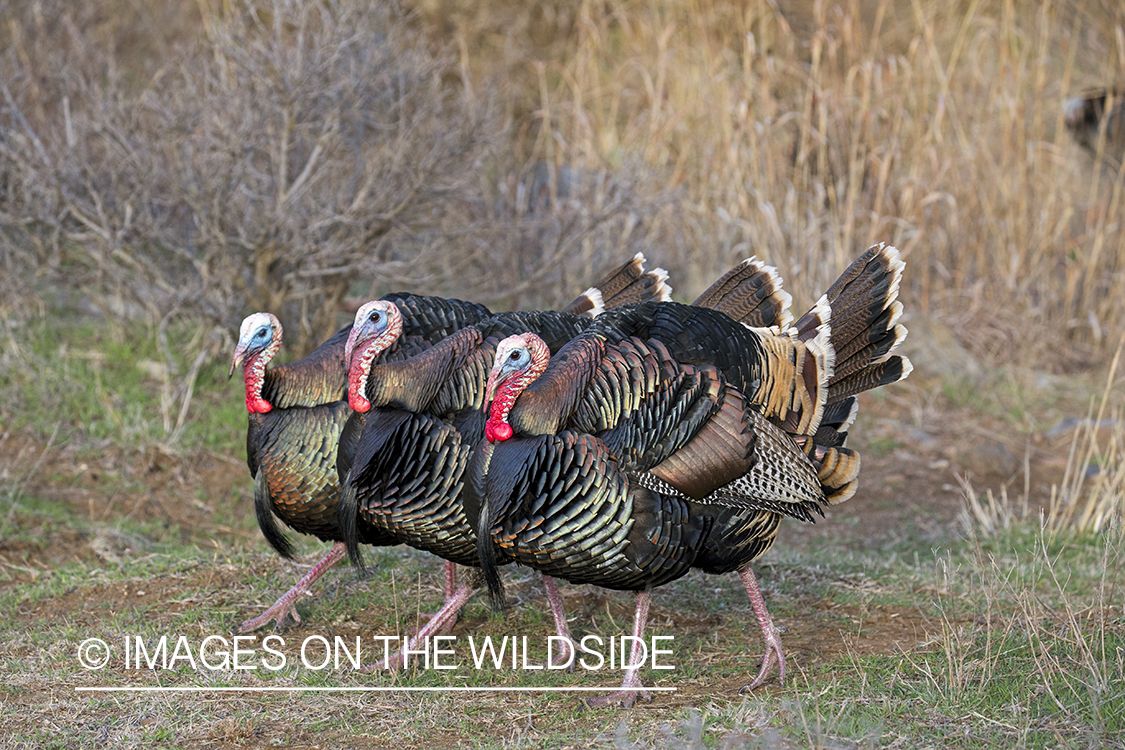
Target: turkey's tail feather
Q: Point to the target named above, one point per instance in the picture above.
(857, 320)
(750, 293)
(865, 327)
(626, 285)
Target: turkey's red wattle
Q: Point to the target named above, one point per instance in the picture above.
(254, 375)
(258, 406)
(497, 427)
(358, 374)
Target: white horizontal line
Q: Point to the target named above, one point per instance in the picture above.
(196, 689)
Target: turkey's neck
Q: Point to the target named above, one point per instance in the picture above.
(320, 378)
(412, 384)
(550, 400)
(497, 426)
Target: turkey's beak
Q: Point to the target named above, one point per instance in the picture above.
(239, 356)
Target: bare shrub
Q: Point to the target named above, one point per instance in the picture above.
(293, 150)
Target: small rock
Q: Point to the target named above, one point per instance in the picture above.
(990, 457)
(1066, 428)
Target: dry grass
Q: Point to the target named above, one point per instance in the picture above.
(1035, 626)
(808, 133)
(1092, 495)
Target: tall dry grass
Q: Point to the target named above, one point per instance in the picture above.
(1090, 498)
(805, 131)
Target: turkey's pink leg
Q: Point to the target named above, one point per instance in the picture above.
(769, 632)
(450, 579)
(444, 618)
(286, 606)
(450, 590)
(631, 686)
(562, 627)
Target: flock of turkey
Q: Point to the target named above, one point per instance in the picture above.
(620, 442)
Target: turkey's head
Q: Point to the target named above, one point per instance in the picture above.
(520, 359)
(259, 338)
(377, 326)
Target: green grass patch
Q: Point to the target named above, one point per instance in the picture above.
(99, 383)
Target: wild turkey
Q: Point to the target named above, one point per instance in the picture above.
(667, 437)
(1088, 113)
(297, 411)
(420, 418)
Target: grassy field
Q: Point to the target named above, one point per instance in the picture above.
(152, 194)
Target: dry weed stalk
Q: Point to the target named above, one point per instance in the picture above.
(804, 131)
(1091, 497)
(991, 514)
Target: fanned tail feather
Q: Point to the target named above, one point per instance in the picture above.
(651, 286)
(590, 303)
(841, 347)
(835, 421)
(884, 373)
(627, 284)
(837, 472)
(750, 293)
(856, 324)
(864, 310)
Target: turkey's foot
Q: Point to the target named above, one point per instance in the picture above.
(631, 687)
(769, 633)
(442, 622)
(286, 606)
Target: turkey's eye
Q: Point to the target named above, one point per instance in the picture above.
(515, 356)
(374, 317)
(262, 332)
